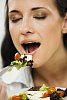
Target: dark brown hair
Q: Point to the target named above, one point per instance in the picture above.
(8, 50)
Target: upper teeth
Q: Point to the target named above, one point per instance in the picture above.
(28, 42)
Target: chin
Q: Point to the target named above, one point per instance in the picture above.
(36, 66)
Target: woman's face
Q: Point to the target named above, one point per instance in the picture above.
(35, 27)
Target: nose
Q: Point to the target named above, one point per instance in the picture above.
(26, 27)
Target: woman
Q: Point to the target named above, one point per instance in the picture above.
(38, 27)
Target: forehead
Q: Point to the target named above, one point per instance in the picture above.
(28, 4)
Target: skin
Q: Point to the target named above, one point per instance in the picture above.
(39, 21)
(47, 31)
(25, 26)
(3, 91)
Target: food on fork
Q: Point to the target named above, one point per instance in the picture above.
(22, 61)
(18, 70)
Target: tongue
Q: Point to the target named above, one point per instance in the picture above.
(30, 49)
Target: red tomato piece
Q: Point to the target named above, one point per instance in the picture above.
(16, 98)
(47, 94)
(17, 56)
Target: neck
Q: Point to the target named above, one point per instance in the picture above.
(50, 78)
(53, 73)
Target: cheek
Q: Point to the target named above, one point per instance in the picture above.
(13, 31)
(50, 36)
(48, 30)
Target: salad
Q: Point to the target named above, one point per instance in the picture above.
(42, 93)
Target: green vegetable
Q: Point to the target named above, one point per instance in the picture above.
(43, 88)
(24, 97)
(18, 64)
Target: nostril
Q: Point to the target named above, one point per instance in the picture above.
(28, 32)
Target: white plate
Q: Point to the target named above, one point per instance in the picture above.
(16, 92)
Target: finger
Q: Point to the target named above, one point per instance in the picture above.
(3, 91)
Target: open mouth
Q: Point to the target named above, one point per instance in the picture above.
(30, 47)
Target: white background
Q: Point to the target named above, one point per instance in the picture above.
(2, 17)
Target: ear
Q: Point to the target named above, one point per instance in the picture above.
(64, 28)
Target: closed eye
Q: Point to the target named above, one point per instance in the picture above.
(40, 17)
(16, 20)
(15, 16)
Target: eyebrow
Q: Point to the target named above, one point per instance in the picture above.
(37, 8)
(14, 11)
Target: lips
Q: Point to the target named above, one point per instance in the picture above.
(30, 47)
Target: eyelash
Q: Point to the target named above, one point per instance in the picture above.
(36, 17)
(40, 17)
(15, 20)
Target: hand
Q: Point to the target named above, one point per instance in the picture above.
(3, 91)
